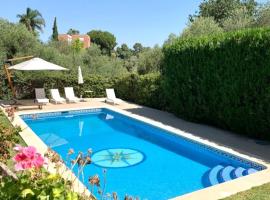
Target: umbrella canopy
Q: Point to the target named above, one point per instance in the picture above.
(80, 77)
(36, 64)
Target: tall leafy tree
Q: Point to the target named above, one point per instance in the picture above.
(104, 39)
(150, 60)
(239, 19)
(171, 38)
(77, 46)
(263, 16)
(124, 51)
(72, 31)
(55, 31)
(222, 9)
(202, 26)
(15, 39)
(33, 20)
(138, 48)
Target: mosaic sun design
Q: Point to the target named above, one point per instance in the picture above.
(116, 158)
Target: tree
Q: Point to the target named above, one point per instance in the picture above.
(263, 17)
(222, 9)
(202, 26)
(55, 31)
(138, 48)
(150, 60)
(172, 37)
(123, 52)
(72, 31)
(15, 39)
(77, 46)
(33, 20)
(239, 19)
(104, 39)
(131, 64)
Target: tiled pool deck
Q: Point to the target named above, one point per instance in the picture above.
(257, 151)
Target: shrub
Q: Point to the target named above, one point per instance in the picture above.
(9, 135)
(221, 80)
(142, 89)
(26, 82)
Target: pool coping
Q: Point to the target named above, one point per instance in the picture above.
(210, 193)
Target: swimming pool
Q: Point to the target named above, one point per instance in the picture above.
(141, 159)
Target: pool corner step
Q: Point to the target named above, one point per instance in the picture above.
(238, 172)
(220, 174)
(250, 171)
(225, 174)
(213, 175)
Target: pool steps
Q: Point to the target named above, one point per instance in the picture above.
(221, 173)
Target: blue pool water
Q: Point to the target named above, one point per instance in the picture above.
(141, 160)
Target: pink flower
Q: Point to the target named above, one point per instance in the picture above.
(27, 158)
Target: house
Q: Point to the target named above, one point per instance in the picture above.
(85, 39)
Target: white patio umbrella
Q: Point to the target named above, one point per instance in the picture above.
(80, 77)
(37, 64)
(34, 64)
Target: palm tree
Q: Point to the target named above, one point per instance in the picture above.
(33, 20)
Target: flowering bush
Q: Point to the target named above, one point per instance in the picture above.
(27, 158)
(33, 182)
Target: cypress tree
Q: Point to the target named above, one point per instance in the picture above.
(55, 31)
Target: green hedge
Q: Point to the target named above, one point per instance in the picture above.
(222, 80)
(144, 90)
(26, 82)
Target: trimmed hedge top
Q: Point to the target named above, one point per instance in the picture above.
(222, 80)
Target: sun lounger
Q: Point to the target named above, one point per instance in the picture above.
(70, 96)
(111, 98)
(41, 97)
(56, 98)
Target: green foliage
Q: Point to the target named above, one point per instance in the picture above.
(171, 38)
(55, 31)
(72, 31)
(256, 193)
(150, 60)
(36, 185)
(15, 40)
(9, 135)
(104, 39)
(138, 48)
(124, 52)
(131, 64)
(77, 45)
(142, 89)
(202, 26)
(220, 10)
(102, 65)
(263, 16)
(25, 83)
(32, 19)
(239, 19)
(221, 80)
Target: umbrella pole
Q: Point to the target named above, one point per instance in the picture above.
(9, 75)
(9, 80)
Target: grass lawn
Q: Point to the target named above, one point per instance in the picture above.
(257, 193)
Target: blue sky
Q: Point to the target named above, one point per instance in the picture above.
(146, 21)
